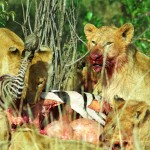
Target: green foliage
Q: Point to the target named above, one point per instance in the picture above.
(136, 12)
(91, 18)
(5, 14)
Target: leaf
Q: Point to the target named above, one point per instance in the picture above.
(2, 22)
(121, 20)
(89, 16)
(12, 14)
(3, 7)
(143, 45)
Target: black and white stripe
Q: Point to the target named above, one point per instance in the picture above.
(11, 87)
(18, 82)
(78, 103)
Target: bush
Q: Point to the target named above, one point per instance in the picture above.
(5, 14)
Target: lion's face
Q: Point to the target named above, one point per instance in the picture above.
(107, 42)
(128, 124)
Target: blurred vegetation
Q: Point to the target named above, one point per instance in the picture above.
(97, 12)
(5, 13)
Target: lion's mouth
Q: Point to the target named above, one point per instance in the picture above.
(97, 67)
(96, 62)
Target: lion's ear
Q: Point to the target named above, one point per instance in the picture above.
(127, 31)
(89, 29)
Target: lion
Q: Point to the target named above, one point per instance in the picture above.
(128, 126)
(123, 70)
(11, 47)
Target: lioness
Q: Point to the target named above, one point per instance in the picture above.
(11, 47)
(128, 126)
(124, 70)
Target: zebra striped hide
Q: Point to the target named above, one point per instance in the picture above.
(78, 103)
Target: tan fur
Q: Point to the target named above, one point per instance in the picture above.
(10, 63)
(129, 122)
(4, 125)
(128, 76)
(28, 138)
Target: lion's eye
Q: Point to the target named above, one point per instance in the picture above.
(93, 43)
(108, 43)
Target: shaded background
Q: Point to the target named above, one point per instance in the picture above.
(98, 12)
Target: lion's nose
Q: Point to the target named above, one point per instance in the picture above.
(94, 56)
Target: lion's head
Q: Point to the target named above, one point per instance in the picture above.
(109, 43)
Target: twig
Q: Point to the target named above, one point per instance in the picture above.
(144, 39)
(67, 65)
(75, 32)
(140, 35)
